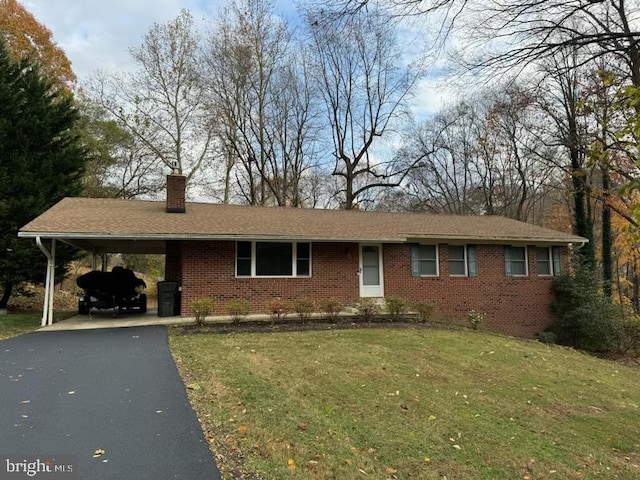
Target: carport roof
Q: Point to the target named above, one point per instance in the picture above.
(104, 225)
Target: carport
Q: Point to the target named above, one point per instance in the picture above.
(97, 244)
(102, 226)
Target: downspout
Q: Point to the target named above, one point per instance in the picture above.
(47, 308)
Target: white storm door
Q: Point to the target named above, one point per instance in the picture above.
(371, 278)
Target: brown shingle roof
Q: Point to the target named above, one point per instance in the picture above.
(87, 218)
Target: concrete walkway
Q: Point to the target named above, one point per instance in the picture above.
(118, 390)
(107, 320)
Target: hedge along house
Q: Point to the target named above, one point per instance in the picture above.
(495, 265)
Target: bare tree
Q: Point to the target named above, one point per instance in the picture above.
(162, 104)
(259, 90)
(119, 164)
(482, 157)
(364, 86)
(523, 32)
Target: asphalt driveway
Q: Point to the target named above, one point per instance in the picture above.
(117, 390)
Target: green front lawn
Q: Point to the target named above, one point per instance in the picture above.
(413, 403)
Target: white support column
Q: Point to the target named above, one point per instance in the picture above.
(47, 283)
(52, 282)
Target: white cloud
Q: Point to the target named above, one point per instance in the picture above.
(97, 35)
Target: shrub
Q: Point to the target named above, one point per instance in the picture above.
(332, 307)
(630, 338)
(396, 306)
(367, 309)
(277, 308)
(475, 319)
(586, 318)
(304, 307)
(238, 308)
(547, 337)
(425, 309)
(201, 308)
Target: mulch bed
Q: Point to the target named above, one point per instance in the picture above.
(315, 323)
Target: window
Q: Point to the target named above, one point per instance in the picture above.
(273, 259)
(548, 261)
(424, 260)
(515, 261)
(462, 260)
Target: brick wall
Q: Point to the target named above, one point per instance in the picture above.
(208, 270)
(513, 305)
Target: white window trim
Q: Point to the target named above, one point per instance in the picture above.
(549, 259)
(466, 262)
(526, 262)
(437, 274)
(294, 260)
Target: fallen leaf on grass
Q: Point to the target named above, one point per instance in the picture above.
(427, 459)
(457, 447)
(302, 426)
(391, 470)
(98, 452)
(291, 464)
(313, 463)
(242, 428)
(209, 438)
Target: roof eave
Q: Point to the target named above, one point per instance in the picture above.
(267, 237)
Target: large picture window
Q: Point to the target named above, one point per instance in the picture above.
(273, 259)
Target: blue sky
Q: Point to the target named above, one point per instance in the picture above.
(97, 34)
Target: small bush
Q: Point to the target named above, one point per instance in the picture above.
(630, 338)
(367, 309)
(201, 308)
(425, 309)
(238, 308)
(303, 307)
(547, 337)
(331, 307)
(277, 308)
(396, 306)
(475, 319)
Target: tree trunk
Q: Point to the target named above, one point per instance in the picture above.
(607, 240)
(6, 294)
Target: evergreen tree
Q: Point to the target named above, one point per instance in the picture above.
(41, 161)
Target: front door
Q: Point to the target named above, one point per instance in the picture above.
(371, 278)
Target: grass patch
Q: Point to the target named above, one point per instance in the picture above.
(12, 324)
(15, 324)
(426, 404)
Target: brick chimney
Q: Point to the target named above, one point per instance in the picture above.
(176, 184)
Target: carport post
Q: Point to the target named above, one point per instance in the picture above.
(47, 307)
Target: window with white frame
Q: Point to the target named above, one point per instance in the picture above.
(424, 260)
(515, 261)
(548, 261)
(462, 260)
(273, 259)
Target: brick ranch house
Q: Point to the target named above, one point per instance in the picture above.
(495, 265)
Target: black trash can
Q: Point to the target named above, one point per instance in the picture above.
(168, 299)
